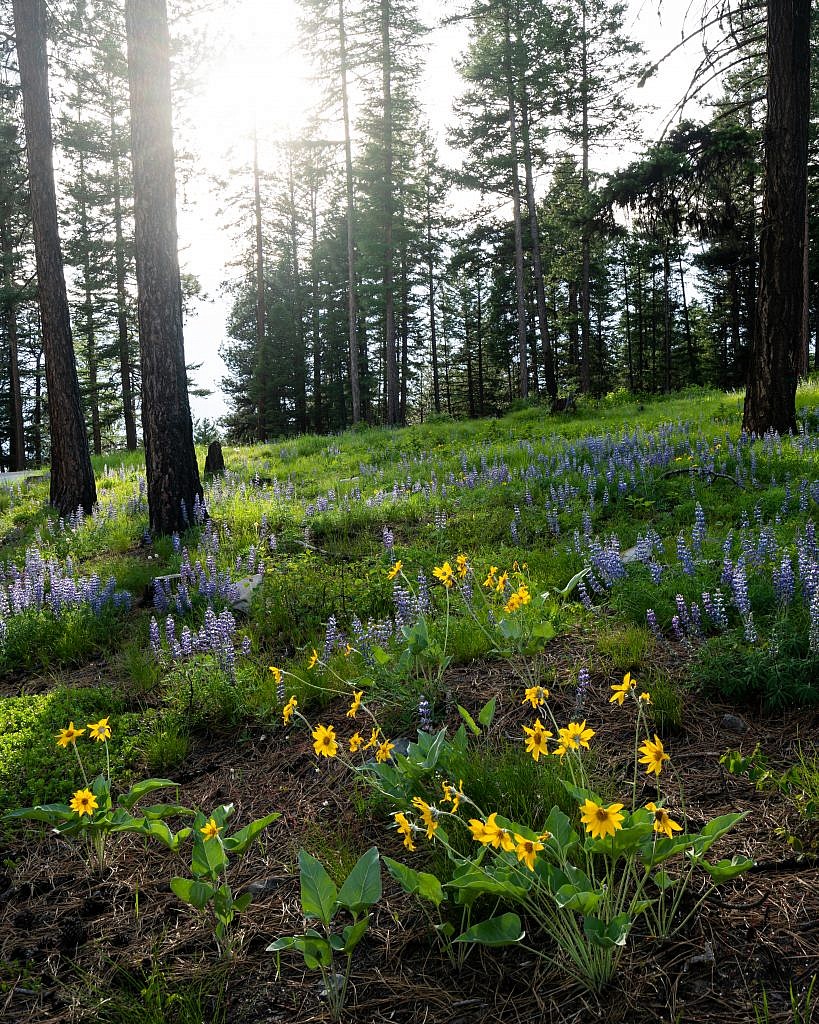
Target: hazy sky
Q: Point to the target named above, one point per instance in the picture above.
(257, 52)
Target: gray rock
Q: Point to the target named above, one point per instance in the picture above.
(245, 589)
(268, 885)
(733, 723)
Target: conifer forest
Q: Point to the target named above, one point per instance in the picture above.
(409, 483)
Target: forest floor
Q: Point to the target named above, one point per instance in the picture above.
(78, 945)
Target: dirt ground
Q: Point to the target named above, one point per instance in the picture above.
(69, 940)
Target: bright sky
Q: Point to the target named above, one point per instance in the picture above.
(257, 54)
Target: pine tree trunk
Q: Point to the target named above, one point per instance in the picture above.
(17, 443)
(72, 476)
(405, 295)
(433, 340)
(123, 338)
(262, 368)
(88, 309)
(38, 408)
(352, 302)
(626, 311)
(585, 281)
(693, 370)
(779, 335)
(390, 360)
(318, 412)
(549, 376)
(171, 468)
(299, 356)
(523, 369)
(479, 339)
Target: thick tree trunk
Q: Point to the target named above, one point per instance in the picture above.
(779, 335)
(123, 338)
(549, 377)
(171, 468)
(390, 360)
(262, 368)
(352, 303)
(523, 369)
(72, 477)
(17, 443)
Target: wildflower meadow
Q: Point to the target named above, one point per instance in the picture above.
(508, 720)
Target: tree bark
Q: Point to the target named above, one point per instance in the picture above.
(779, 335)
(17, 443)
(88, 310)
(352, 303)
(523, 369)
(171, 468)
(123, 338)
(72, 476)
(262, 368)
(585, 281)
(390, 360)
(436, 385)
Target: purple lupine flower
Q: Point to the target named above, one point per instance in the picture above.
(651, 621)
(424, 715)
(583, 682)
(676, 628)
(331, 638)
(156, 642)
(684, 556)
(387, 539)
(783, 580)
(698, 533)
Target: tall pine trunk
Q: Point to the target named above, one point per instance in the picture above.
(123, 337)
(91, 357)
(170, 458)
(352, 303)
(779, 334)
(390, 359)
(72, 476)
(17, 445)
(585, 280)
(262, 367)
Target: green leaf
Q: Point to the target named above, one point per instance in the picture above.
(381, 657)
(470, 721)
(545, 630)
(164, 810)
(724, 870)
(318, 892)
(241, 903)
(141, 789)
(208, 859)
(416, 883)
(353, 934)
(434, 752)
(239, 841)
(561, 831)
(487, 713)
(496, 931)
(715, 830)
(192, 891)
(663, 881)
(569, 897)
(362, 887)
(470, 878)
(607, 936)
(49, 813)
(316, 952)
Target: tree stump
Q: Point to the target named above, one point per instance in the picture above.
(215, 461)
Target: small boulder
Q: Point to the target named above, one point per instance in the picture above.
(244, 590)
(734, 723)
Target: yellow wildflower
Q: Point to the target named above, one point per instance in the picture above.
(393, 572)
(69, 735)
(427, 815)
(384, 751)
(325, 741)
(491, 579)
(288, 709)
(527, 850)
(622, 690)
(500, 586)
(84, 802)
(601, 821)
(313, 659)
(211, 830)
(536, 739)
(452, 795)
(523, 594)
(277, 674)
(462, 564)
(445, 574)
(536, 695)
(100, 731)
(373, 740)
(512, 605)
(575, 735)
(356, 740)
(645, 698)
(479, 832)
(499, 837)
(404, 829)
(357, 695)
(654, 756)
(663, 821)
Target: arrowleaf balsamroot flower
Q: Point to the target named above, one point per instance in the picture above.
(373, 740)
(396, 568)
(536, 738)
(479, 831)
(277, 674)
(663, 821)
(427, 815)
(356, 741)
(601, 821)
(288, 709)
(453, 795)
(445, 574)
(499, 837)
(645, 698)
(211, 830)
(536, 695)
(491, 579)
(500, 585)
(527, 850)
(83, 801)
(654, 755)
(313, 659)
(100, 731)
(325, 744)
(404, 829)
(384, 751)
(69, 735)
(462, 564)
(575, 736)
(622, 690)
(357, 695)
